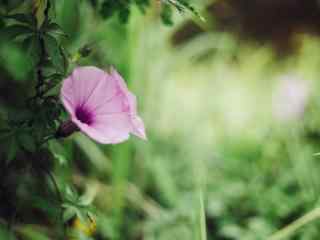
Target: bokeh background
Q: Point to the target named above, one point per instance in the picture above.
(232, 113)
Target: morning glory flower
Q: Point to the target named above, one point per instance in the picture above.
(100, 105)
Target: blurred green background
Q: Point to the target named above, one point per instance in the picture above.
(232, 122)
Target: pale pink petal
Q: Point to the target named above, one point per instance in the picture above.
(67, 95)
(114, 128)
(107, 90)
(138, 127)
(132, 100)
(115, 75)
(87, 80)
(96, 133)
(101, 105)
(118, 104)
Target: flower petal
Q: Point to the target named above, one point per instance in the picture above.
(108, 129)
(86, 81)
(138, 127)
(107, 90)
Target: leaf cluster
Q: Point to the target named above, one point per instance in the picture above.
(123, 8)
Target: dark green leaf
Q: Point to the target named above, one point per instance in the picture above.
(142, 4)
(27, 141)
(65, 58)
(13, 31)
(18, 116)
(166, 14)
(54, 52)
(124, 14)
(183, 5)
(109, 7)
(33, 47)
(22, 18)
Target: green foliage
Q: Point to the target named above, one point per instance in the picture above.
(182, 6)
(54, 53)
(122, 9)
(166, 14)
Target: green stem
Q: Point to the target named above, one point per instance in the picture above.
(293, 227)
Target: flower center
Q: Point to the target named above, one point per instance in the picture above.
(83, 115)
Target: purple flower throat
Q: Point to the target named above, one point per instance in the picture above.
(83, 115)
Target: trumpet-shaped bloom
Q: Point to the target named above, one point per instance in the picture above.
(101, 106)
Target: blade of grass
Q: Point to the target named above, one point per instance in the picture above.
(292, 228)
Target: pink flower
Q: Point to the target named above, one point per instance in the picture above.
(100, 105)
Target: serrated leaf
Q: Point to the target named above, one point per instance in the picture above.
(54, 52)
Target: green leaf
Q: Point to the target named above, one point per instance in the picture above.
(65, 58)
(27, 141)
(183, 5)
(54, 52)
(55, 29)
(22, 18)
(124, 14)
(33, 47)
(13, 31)
(71, 195)
(109, 7)
(85, 200)
(59, 152)
(166, 14)
(69, 213)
